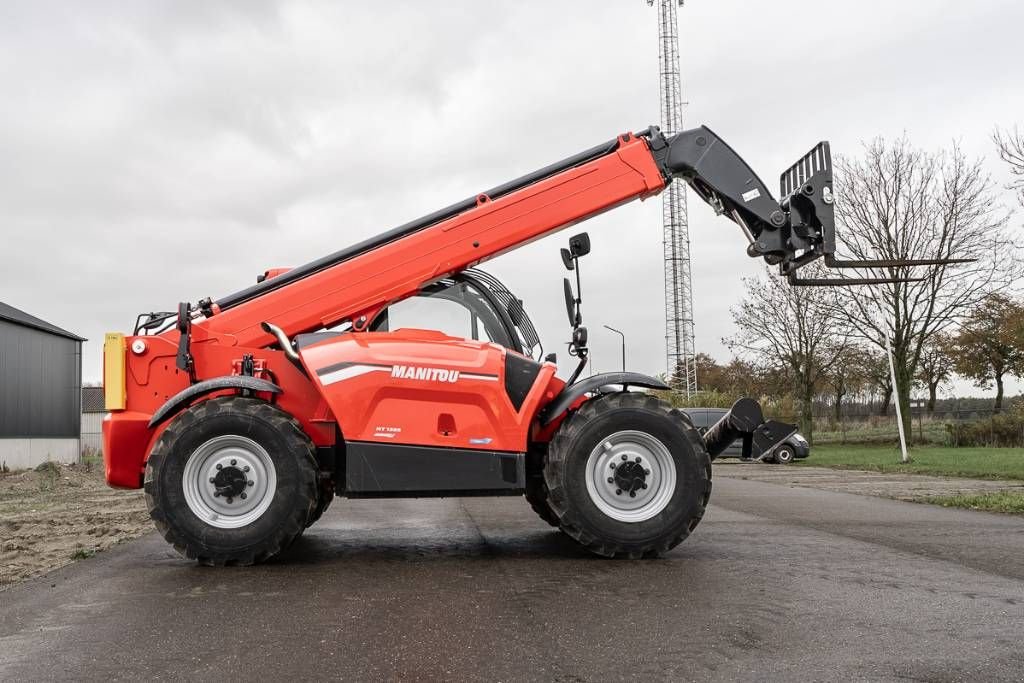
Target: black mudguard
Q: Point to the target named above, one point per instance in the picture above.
(572, 392)
(186, 396)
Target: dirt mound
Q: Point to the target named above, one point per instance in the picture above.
(55, 514)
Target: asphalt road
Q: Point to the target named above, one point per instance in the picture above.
(777, 583)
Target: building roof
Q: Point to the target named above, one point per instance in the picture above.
(93, 400)
(12, 314)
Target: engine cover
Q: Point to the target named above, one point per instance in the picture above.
(424, 388)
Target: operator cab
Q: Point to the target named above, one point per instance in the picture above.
(471, 304)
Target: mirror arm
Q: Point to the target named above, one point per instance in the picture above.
(579, 291)
(579, 368)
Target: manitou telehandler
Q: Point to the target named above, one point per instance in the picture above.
(243, 417)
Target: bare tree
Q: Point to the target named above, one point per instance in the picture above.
(878, 377)
(1011, 150)
(990, 345)
(899, 202)
(712, 375)
(936, 365)
(792, 329)
(846, 375)
(738, 378)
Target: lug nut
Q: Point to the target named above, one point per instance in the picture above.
(638, 458)
(643, 486)
(212, 480)
(242, 495)
(632, 494)
(234, 462)
(249, 483)
(611, 480)
(625, 457)
(618, 492)
(230, 499)
(219, 466)
(647, 472)
(612, 465)
(245, 469)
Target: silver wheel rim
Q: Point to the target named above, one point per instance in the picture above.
(784, 454)
(205, 465)
(611, 454)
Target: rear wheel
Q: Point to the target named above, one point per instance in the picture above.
(628, 476)
(323, 501)
(231, 481)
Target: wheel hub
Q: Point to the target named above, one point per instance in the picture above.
(631, 476)
(229, 481)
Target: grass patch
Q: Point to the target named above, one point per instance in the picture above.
(977, 463)
(998, 501)
(83, 553)
(91, 462)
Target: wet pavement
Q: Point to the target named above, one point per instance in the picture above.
(777, 583)
(898, 485)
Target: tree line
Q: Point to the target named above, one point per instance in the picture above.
(894, 201)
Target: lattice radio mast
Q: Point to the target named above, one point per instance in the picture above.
(678, 292)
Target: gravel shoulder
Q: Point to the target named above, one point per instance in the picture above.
(52, 517)
(898, 486)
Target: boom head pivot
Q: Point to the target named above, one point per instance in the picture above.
(791, 232)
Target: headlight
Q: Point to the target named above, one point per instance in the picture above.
(799, 439)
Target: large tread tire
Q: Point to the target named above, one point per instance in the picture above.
(294, 499)
(565, 472)
(537, 497)
(323, 501)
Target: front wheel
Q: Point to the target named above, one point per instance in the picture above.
(231, 480)
(628, 476)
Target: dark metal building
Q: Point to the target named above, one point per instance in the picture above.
(40, 390)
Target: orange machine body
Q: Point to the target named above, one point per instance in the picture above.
(412, 408)
(422, 387)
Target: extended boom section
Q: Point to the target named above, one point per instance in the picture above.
(356, 283)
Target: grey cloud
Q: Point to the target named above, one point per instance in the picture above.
(163, 151)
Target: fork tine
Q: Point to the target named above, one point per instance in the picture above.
(846, 281)
(832, 262)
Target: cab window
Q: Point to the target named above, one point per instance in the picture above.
(456, 309)
(434, 313)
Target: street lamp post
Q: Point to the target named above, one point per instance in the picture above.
(619, 332)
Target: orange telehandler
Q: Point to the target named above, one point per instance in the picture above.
(243, 417)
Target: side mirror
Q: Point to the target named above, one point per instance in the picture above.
(567, 259)
(579, 245)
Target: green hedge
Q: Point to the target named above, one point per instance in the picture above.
(1004, 429)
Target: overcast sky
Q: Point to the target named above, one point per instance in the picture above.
(156, 152)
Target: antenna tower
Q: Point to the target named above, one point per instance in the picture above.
(679, 346)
